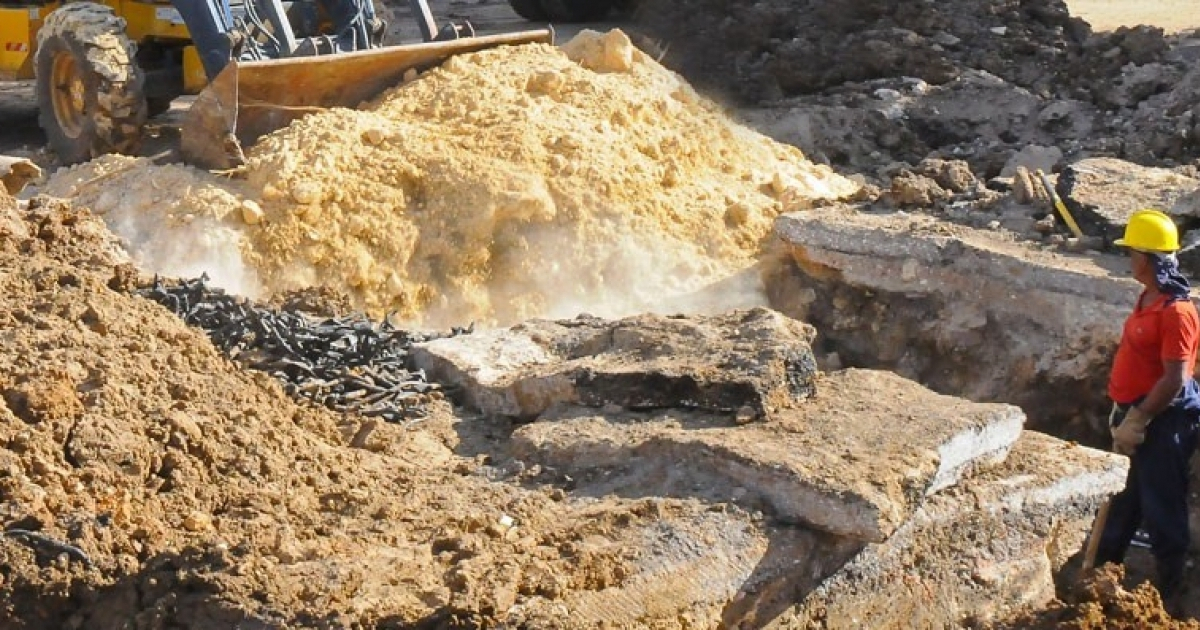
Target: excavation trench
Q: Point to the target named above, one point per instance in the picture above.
(959, 314)
(959, 311)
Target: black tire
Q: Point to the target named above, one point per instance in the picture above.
(98, 105)
(529, 9)
(576, 10)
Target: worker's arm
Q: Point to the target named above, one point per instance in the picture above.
(1166, 389)
(1180, 334)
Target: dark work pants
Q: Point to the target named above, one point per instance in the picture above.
(1156, 493)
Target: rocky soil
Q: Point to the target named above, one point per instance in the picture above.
(642, 472)
(147, 479)
(863, 84)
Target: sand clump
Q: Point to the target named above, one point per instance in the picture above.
(1101, 600)
(506, 184)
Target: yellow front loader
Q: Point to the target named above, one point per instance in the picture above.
(103, 67)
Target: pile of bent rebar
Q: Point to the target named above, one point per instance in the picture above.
(349, 364)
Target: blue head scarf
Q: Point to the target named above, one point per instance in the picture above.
(1167, 276)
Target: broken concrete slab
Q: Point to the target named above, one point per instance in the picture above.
(1103, 193)
(751, 361)
(978, 551)
(957, 309)
(988, 545)
(687, 573)
(853, 461)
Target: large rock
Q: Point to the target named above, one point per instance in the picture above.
(854, 461)
(750, 362)
(1103, 193)
(978, 551)
(957, 309)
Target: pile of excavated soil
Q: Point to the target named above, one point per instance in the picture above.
(511, 183)
(195, 495)
(1102, 602)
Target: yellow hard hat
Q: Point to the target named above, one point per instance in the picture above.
(1150, 231)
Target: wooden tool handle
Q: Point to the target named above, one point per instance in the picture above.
(1093, 544)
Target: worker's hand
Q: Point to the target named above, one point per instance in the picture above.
(1128, 435)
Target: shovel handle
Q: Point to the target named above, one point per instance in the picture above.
(1060, 206)
(1093, 544)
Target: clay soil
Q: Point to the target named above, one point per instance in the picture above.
(193, 494)
(1103, 600)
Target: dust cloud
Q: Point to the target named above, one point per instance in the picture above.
(169, 221)
(629, 274)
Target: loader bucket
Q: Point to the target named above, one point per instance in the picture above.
(248, 100)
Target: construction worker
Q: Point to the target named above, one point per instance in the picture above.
(1156, 405)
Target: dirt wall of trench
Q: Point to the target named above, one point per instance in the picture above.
(951, 348)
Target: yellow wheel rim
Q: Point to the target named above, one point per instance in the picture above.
(67, 95)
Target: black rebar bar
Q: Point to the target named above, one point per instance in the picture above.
(350, 363)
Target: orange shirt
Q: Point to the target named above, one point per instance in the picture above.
(1159, 332)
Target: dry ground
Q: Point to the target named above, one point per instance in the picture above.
(1172, 15)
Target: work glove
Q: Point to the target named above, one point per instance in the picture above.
(1130, 434)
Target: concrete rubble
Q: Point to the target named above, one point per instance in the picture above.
(1104, 192)
(955, 308)
(901, 437)
(984, 318)
(862, 476)
(750, 363)
(978, 550)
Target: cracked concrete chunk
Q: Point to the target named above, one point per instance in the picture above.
(756, 358)
(981, 550)
(977, 550)
(1104, 192)
(854, 461)
(971, 267)
(984, 318)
